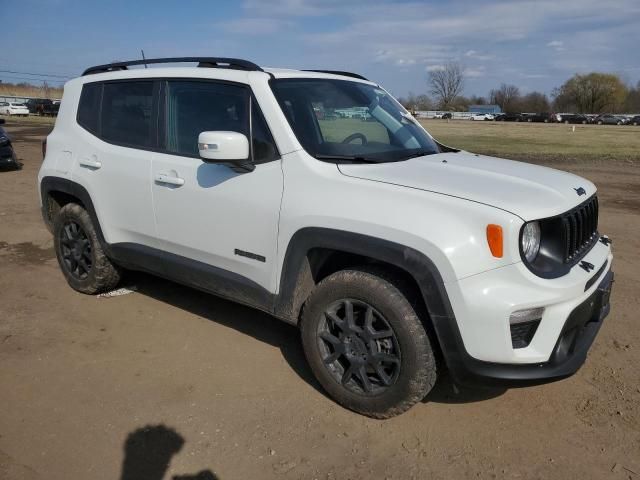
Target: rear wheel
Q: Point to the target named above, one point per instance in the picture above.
(366, 344)
(80, 255)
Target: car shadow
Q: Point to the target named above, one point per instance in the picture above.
(447, 391)
(148, 452)
(249, 321)
(268, 329)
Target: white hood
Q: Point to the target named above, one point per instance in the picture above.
(529, 191)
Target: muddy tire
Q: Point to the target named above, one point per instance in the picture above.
(80, 255)
(366, 344)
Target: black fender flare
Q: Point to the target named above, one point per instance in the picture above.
(56, 184)
(417, 264)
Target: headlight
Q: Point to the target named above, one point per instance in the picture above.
(530, 242)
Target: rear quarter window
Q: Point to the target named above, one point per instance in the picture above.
(89, 107)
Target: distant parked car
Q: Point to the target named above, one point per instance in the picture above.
(537, 117)
(574, 118)
(43, 106)
(634, 120)
(9, 108)
(509, 117)
(609, 119)
(482, 116)
(8, 157)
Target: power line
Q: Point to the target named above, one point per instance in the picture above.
(37, 74)
(26, 79)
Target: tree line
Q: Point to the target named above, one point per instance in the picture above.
(588, 93)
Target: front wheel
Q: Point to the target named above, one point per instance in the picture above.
(366, 343)
(80, 255)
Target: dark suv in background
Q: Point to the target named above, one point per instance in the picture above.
(574, 118)
(538, 117)
(509, 117)
(42, 106)
(609, 119)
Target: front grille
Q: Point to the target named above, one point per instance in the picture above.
(580, 227)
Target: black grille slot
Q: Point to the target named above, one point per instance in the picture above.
(580, 228)
(522, 333)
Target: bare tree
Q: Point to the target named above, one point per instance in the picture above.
(446, 83)
(506, 96)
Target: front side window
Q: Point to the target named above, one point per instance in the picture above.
(194, 107)
(127, 109)
(351, 121)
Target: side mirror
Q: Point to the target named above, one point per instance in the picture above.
(2, 121)
(227, 148)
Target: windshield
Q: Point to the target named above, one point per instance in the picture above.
(340, 120)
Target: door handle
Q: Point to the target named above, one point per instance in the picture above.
(169, 179)
(90, 163)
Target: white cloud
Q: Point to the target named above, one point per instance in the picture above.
(254, 26)
(475, 72)
(434, 68)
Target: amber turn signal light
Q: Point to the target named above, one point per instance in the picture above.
(494, 239)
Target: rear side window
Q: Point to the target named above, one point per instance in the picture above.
(89, 107)
(126, 113)
(194, 107)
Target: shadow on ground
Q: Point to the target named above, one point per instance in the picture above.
(148, 452)
(268, 329)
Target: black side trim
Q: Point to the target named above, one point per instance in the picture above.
(252, 256)
(192, 273)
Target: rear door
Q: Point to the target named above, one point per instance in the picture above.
(112, 157)
(207, 214)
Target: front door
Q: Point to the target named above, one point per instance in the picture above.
(210, 218)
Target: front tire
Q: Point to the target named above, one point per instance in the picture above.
(366, 344)
(80, 255)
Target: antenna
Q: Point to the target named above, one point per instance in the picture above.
(143, 58)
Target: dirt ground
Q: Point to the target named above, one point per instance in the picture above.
(168, 382)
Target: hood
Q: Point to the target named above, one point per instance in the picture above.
(527, 190)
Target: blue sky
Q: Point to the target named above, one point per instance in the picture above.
(534, 44)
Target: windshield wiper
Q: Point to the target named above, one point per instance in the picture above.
(346, 158)
(416, 154)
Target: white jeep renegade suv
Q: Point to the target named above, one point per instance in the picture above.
(314, 196)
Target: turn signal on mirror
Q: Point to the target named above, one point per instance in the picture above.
(494, 239)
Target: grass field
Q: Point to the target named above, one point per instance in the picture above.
(30, 120)
(522, 141)
(539, 141)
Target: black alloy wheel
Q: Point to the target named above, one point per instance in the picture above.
(358, 347)
(75, 249)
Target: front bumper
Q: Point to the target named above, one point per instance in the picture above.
(568, 355)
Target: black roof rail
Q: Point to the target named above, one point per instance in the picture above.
(206, 62)
(339, 72)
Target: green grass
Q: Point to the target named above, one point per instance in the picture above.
(539, 140)
(13, 121)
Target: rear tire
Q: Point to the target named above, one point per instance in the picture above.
(80, 255)
(366, 344)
